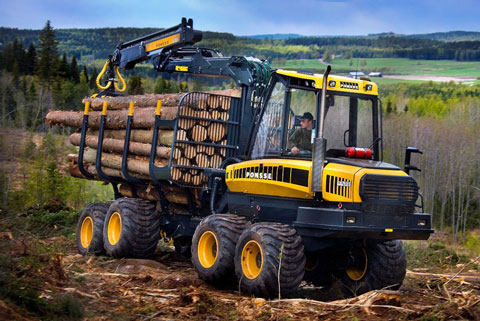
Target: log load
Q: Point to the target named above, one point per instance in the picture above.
(172, 193)
(90, 168)
(200, 129)
(116, 119)
(135, 164)
(149, 100)
(116, 146)
(122, 102)
(165, 137)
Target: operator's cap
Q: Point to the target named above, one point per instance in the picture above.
(307, 115)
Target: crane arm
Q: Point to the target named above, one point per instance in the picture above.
(167, 50)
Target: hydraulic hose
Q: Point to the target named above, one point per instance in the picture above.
(109, 83)
(124, 86)
(216, 181)
(100, 75)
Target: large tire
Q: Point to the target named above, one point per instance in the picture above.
(132, 228)
(213, 247)
(90, 229)
(379, 265)
(257, 259)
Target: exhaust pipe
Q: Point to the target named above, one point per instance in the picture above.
(319, 142)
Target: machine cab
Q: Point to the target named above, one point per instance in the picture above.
(289, 121)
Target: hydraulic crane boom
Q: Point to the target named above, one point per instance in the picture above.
(154, 45)
(167, 50)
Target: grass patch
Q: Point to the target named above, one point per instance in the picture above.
(21, 277)
(434, 256)
(398, 66)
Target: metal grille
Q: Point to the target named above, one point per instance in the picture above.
(385, 194)
(339, 186)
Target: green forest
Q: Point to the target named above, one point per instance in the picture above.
(54, 69)
(91, 44)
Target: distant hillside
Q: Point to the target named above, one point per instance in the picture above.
(449, 36)
(99, 42)
(275, 36)
(90, 44)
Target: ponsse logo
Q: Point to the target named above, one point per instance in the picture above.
(267, 176)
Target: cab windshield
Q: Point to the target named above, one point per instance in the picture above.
(289, 123)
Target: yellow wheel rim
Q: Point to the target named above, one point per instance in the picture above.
(252, 260)
(207, 249)
(114, 228)
(86, 231)
(357, 272)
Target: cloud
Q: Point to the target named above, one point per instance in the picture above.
(249, 17)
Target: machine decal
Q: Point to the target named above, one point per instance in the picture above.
(274, 173)
(162, 42)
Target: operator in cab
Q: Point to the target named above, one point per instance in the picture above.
(301, 139)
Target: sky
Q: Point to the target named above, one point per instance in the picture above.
(251, 17)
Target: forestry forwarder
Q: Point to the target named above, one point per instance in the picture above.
(335, 213)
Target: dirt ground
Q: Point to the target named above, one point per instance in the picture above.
(166, 287)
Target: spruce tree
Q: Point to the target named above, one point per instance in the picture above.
(159, 86)
(31, 59)
(19, 56)
(135, 85)
(16, 74)
(8, 57)
(74, 72)
(48, 56)
(85, 74)
(10, 103)
(63, 68)
(24, 86)
(31, 99)
(93, 78)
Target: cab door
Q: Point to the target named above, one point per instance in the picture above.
(280, 118)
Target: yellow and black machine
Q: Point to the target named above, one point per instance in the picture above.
(271, 215)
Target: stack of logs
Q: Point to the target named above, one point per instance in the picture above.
(201, 135)
(199, 129)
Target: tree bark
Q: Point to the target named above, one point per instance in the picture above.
(177, 195)
(116, 146)
(137, 164)
(90, 168)
(165, 137)
(147, 100)
(116, 119)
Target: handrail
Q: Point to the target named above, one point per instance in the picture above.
(126, 145)
(82, 143)
(98, 159)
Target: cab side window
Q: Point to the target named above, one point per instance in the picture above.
(301, 122)
(269, 135)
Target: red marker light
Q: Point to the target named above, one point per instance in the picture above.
(355, 152)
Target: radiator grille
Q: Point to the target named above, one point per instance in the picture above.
(339, 186)
(388, 194)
